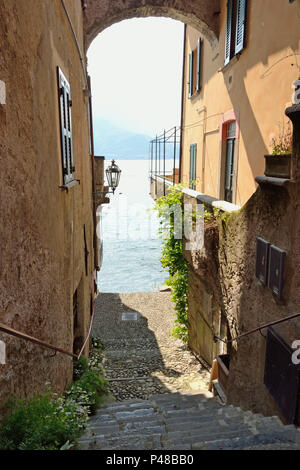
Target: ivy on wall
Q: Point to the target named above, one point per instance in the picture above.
(173, 260)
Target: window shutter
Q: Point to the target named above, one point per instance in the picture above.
(229, 165)
(240, 26)
(193, 157)
(228, 32)
(65, 104)
(191, 73)
(191, 163)
(199, 64)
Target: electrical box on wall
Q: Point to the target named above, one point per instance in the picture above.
(270, 264)
(262, 260)
(276, 270)
(2, 93)
(2, 353)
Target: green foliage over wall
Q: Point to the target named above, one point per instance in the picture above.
(172, 259)
(49, 422)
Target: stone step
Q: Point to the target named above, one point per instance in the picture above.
(182, 422)
(131, 442)
(276, 446)
(242, 442)
(170, 397)
(205, 434)
(132, 403)
(207, 425)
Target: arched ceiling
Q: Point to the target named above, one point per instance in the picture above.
(200, 14)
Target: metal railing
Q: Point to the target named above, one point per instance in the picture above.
(165, 147)
(255, 330)
(18, 334)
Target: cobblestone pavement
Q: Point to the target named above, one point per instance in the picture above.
(141, 356)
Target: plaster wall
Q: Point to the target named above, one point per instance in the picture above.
(42, 227)
(256, 85)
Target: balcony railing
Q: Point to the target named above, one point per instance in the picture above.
(165, 157)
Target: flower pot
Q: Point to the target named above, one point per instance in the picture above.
(278, 166)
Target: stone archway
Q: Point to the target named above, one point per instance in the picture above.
(200, 14)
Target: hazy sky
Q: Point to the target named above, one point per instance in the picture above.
(136, 72)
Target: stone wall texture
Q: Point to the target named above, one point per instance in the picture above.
(42, 259)
(225, 269)
(201, 14)
(273, 214)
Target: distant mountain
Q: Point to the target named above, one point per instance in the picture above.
(113, 142)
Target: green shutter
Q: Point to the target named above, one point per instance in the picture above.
(199, 64)
(229, 169)
(193, 159)
(240, 35)
(191, 73)
(228, 32)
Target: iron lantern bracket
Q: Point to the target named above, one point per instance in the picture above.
(104, 192)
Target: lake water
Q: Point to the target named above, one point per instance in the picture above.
(131, 245)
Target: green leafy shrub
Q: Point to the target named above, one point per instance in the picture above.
(49, 422)
(88, 391)
(79, 367)
(42, 423)
(172, 259)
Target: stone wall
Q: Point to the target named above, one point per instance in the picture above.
(201, 14)
(225, 269)
(158, 188)
(42, 251)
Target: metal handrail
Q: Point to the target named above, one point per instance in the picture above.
(18, 334)
(247, 333)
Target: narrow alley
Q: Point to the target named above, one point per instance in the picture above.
(146, 144)
(141, 356)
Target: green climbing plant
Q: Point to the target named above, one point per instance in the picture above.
(172, 258)
(173, 261)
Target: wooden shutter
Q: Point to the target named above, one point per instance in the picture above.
(228, 32)
(65, 104)
(193, 157)
(191, 73)
(240, 35)
(199, 64)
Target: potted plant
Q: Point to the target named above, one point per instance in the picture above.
(278, 164)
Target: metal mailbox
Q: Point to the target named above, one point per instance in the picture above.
(276, 270)
(262, 260)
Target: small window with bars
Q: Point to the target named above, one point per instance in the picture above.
(195, 69)
(65, 105)
(235, 40)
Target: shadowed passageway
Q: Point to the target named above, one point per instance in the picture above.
(141, 356)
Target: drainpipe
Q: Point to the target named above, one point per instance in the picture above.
(182, 103)
(95, 238)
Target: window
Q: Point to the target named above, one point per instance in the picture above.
(65, 104)
(236, 28)
(195, 69)
(193, 159)
(229, 164)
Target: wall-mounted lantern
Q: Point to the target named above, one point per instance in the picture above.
(113, 175)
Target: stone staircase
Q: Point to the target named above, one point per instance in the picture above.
(190, 421)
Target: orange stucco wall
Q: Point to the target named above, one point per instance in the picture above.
(256, 86)
(42, 251)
